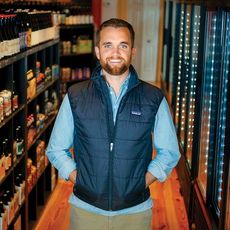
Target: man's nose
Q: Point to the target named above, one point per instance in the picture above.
(116, 50)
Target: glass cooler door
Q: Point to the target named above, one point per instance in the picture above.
(186, 49)
(209, 100)
(220, 134)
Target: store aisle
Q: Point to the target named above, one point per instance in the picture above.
(168, 213)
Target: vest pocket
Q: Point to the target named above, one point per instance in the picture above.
(83, 190)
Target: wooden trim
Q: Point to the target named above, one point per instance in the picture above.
(122, 9)
(96, 8)
(202, 206)
(160, 43)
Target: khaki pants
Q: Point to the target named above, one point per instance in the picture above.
(82, 220)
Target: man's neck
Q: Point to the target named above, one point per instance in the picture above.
(115, 81)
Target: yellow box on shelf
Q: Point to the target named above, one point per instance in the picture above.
(84, 45)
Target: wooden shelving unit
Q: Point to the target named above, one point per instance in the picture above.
(15, 69)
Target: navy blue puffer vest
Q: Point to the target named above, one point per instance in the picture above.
(112, 159)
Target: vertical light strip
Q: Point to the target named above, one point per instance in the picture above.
(185, 63)
(180, 63)
(191, 113)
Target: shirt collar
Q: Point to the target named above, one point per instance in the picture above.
(124, 84)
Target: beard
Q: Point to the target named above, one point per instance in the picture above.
(115, 70)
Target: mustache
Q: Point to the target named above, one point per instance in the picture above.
(115, 57)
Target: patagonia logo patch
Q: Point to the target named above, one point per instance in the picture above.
(137, 113)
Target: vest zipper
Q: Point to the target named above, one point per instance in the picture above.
(111, 146)
(110, 174)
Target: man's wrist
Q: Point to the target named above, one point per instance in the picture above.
(149, 179)
(73, 176)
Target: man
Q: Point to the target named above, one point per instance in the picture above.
(112, 120)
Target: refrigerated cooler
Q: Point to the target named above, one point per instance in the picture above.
(200, 101)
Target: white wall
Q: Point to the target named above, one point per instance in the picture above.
(144, 15)
(109, 9)
(150, 36)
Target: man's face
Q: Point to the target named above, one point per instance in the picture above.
(114, 50)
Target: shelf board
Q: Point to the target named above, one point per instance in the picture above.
(46, 125)
(46, 86)
(10, 60)
(76, 26)
(76, 55)
(16, 215)
(21, 107)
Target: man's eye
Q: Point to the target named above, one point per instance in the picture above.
(107, 46)
(123, 46)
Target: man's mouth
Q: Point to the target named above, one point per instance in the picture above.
(115, 60)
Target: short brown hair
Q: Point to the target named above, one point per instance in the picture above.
(116, 23)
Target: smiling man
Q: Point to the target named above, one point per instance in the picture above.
(113, 121)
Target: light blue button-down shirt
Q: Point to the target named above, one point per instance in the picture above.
(164, 141)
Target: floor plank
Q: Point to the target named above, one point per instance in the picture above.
(168, 213)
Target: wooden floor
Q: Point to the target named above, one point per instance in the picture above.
(168, 212)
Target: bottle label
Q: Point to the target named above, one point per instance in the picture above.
(29, 37)
(14, 151)
(2, 168)
(16, 201)
(19, 148)
(23, 191)
(6, 163)
(3, 220)
(9, 160)
(7, 210)
(6, 95)
(1, 109)
(19, 190)
(15, 102)
(21, 41)
(17, 45)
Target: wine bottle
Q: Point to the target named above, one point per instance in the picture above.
(1, 42)
(15, 33)
(29, 29)
(14, 97)
(19, 142)
(1, 209)
(8, 153)
(4, 156)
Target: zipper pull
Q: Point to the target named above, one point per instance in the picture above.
(111, 146)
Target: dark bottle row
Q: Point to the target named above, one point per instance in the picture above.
(196, 75)
(29, 92)
(74, 6)
(21, 29)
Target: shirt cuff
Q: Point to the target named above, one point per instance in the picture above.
(156, 170)
(67, 168)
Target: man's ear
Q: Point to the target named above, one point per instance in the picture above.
(97, 52)
(134, 51)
